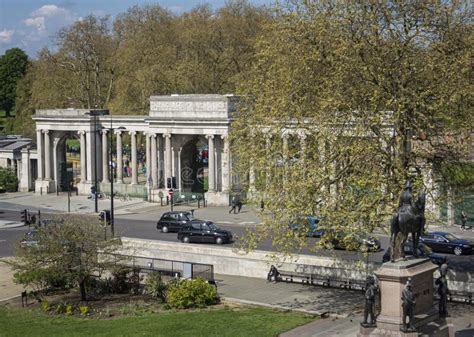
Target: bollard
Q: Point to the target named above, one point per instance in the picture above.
(167, 200)
(77, 191)
(41, 191)
(199, 203)
(161, 201)
(192, 212)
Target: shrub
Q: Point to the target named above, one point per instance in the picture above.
(61, 308)
(99, 286)
(69, 310)
(84, 310)
(155, 286)
(191, 293)
(45, 305)
(119, 284)
(8, 179)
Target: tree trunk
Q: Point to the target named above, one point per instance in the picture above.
(82, 287)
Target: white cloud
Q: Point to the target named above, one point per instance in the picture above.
(6, 36)
(42, 24)
(50, 11)
(37, 23)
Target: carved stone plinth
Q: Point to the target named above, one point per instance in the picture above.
(392, 279)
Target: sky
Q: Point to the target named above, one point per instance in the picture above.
(32, 24)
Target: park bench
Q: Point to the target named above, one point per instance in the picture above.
(460, 296)
(317, 280)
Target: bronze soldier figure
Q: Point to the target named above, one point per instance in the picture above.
(443, 290)
(369, 302)
(408, 304)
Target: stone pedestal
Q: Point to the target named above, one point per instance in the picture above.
(392, 279)
(217, 198)
(45, 186)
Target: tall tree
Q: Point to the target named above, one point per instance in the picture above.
(81, 72)
(13, 65)
(370, 91)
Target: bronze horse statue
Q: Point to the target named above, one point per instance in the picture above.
(409, 218)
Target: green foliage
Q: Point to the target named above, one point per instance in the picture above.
(191, 293)
(155, 286)
(120, 278)
(343, 103)
(45, 305)
(60, 308)
(69, 310)
(13, 65)
(459, 174)
(8, 179)
(66, 255)
(84, 310)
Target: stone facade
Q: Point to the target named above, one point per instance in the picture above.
(174, 125)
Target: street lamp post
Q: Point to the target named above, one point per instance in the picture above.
(111, 170)
(94, 113)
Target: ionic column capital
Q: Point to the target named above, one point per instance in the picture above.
(167, 135)
(118, 132)
(132, 133)
(104, 131)
(224, 137)
(81, 132)
(46, 132)
(209, 136)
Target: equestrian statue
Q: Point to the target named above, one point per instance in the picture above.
(408, 218)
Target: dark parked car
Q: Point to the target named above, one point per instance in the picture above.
(307, 225)
(204, 231)
(355, 242)
(443, 242)
(423, 251)
(173, 221)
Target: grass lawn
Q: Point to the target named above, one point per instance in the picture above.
(222, 322)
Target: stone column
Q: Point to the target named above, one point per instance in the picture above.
(133, 137)
(90, 154)
(119, 157)
(225, 164)
(105, 156)
(154, 161)
(39, 141)
(168, 157)
(25, 179)
(148, 159)
(82, 135)
(211, 164)
(47, 156)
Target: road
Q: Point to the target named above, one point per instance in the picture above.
(146, 229)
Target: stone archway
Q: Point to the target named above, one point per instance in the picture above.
(67, 161)
(194, 165)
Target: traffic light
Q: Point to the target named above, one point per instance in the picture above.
(24, 216)
(171, 182)
(104, 217)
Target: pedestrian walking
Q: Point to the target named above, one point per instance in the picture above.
(463, 220)
(233, 204)
(239, 206)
